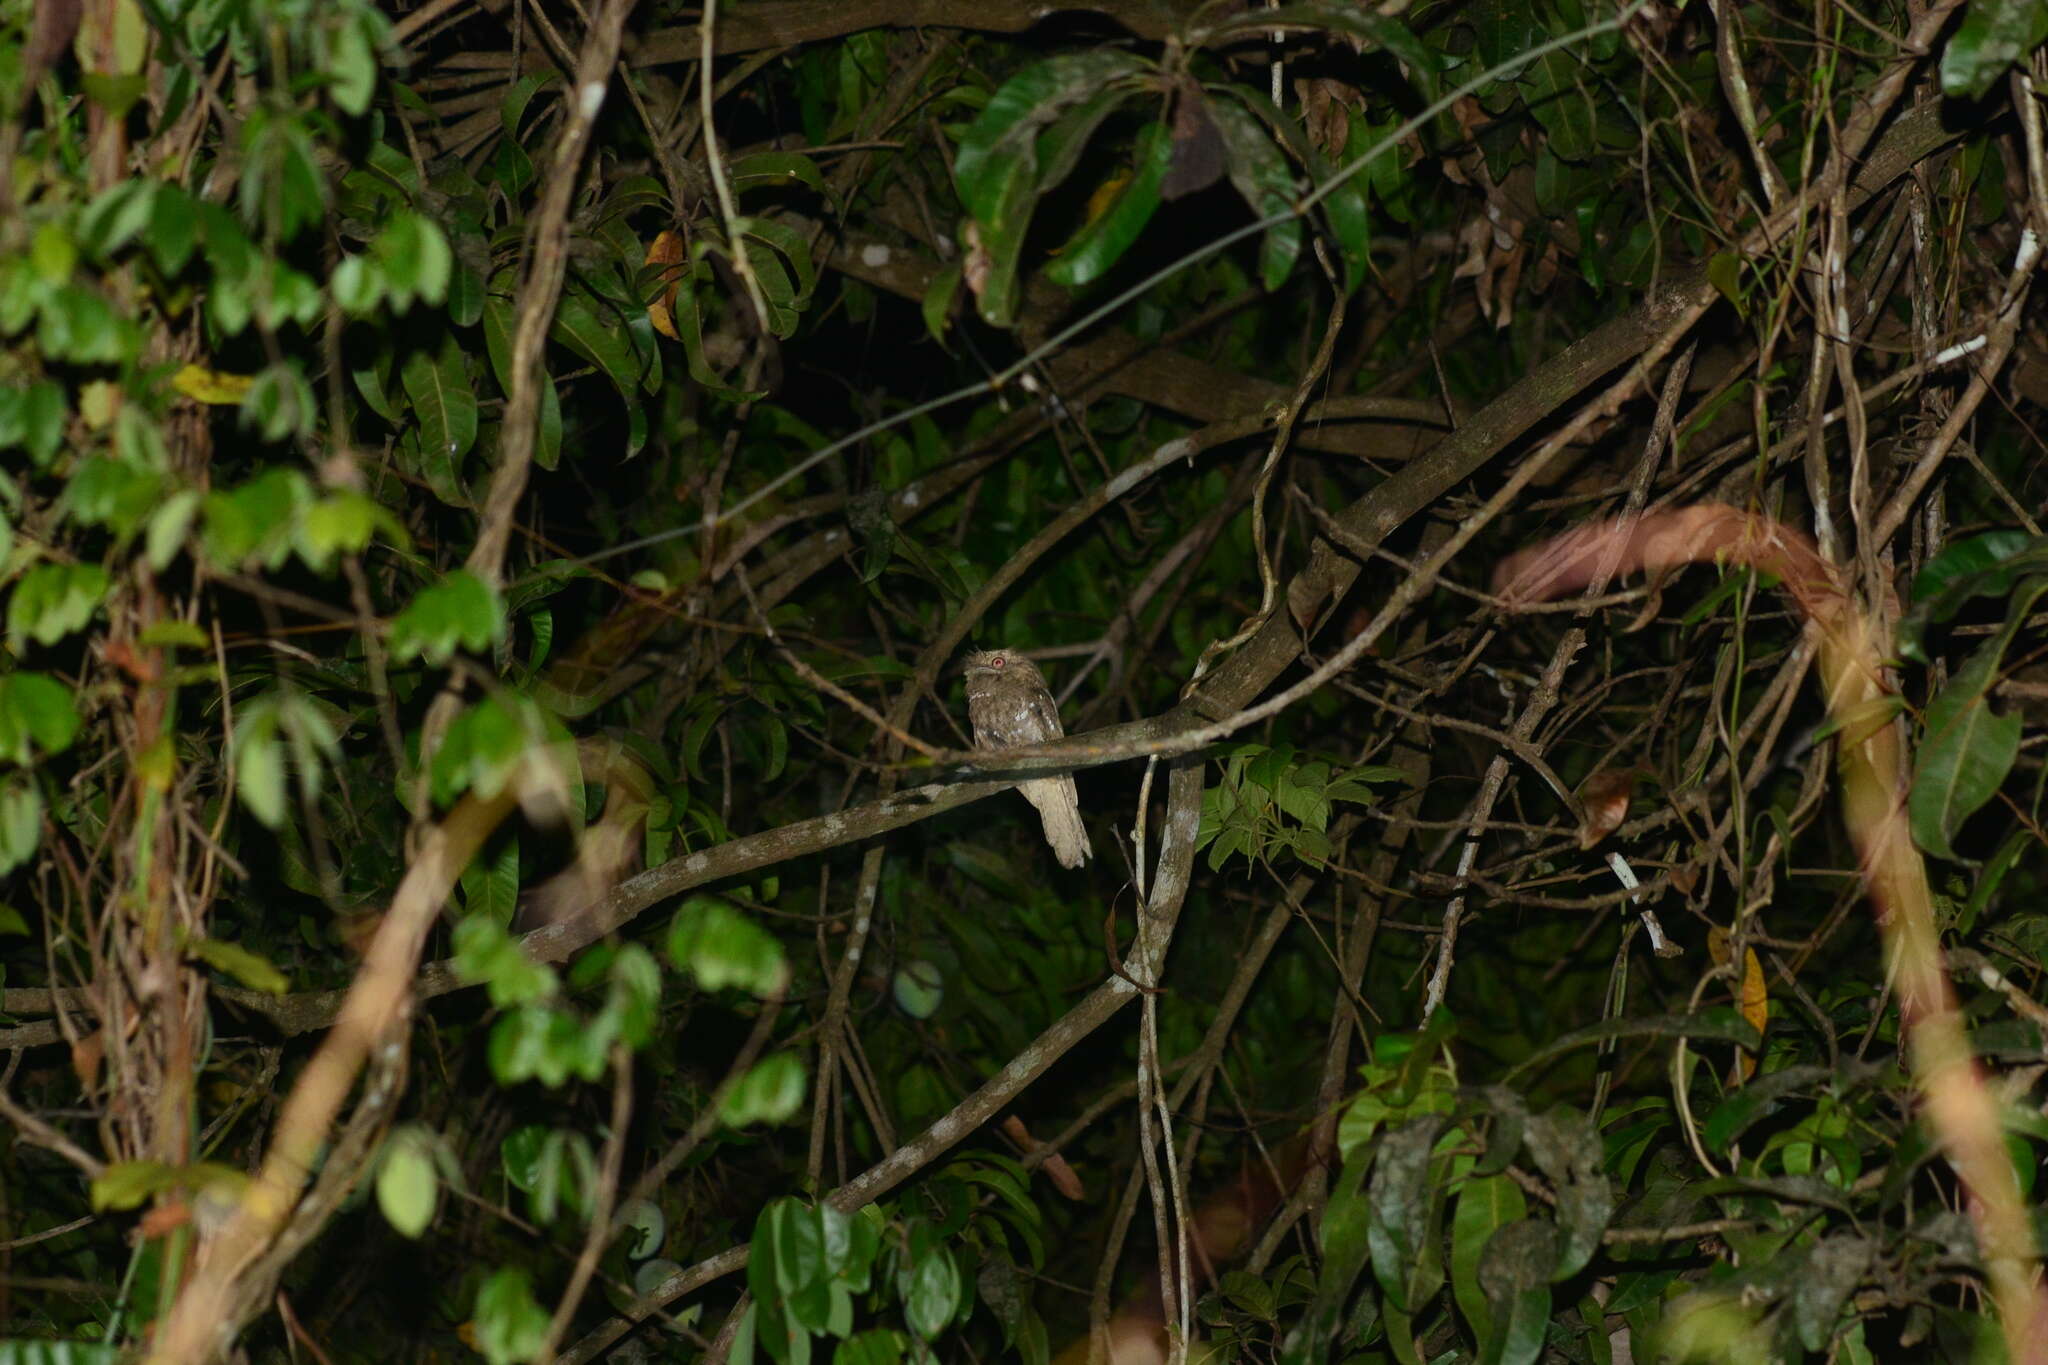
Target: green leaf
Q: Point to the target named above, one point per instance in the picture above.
(762, 170)
(1261, 176)
(491, 889)
(931, 1293)
(484, 746)
(1516, 1272)
(1006, 132)
(877, 1346)
(1404, 1206)
(578, 327)
(918, 989)
(112, 493)
(1965, 756)
(1993, 36)
(252, 524)
(1344, 211)
(21, 822)
(117, 216)
(520, 1154)
(1485, 1205)
(938, 303)
(789, 245)
(280, 403)
(52, 600)
(1989, 565)
(1346, 1251)
(52, 254)
(342, 523)
(509, 1325)
(40, 412)
(1968, 749)
(1724, 272)
(1834, 1267)
(408, 1186)
(281, 186)
(358, 287)
(1562, 104)
(689, 323)
(351, 68)
(646, 1229)
(486, 952)
(438, 385)
(547, 450)
(1566, 1145)
(249, 968)
(173, 232)
(633, 998)
(35, 710)
(772, 1092)
(533, 1042)
(372, 378)
(259, 762)
(564, 1176)
(1731, 1118)
(1355, 22)
(1987, 881)
(1060, 146)
(461, 611)
(465, 295)
(1719, 1024)
(169, 525)
(771, 1269)
(996, 166)
(20, 1352)
(520, 93)
(720, 947)
(1099, 245)
(130, 1184)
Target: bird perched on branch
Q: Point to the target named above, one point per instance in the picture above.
(1008, 704)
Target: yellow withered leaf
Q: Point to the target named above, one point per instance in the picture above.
(1753, 997)
(211, 386)
(665, 250)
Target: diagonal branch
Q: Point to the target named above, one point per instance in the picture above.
(542, 290)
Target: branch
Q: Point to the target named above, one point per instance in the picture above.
(1313, 593)
(1162, 911)
(542, 290)
(201, 1324)
(1964, 1113)
(786, 23)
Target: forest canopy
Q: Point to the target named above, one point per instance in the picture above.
(568, 566)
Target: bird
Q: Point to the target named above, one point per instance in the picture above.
(1008, 704)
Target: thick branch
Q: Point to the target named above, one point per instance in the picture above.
(786, 23)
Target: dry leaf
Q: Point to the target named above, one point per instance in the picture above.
(1197, 145)
(1324, 105)
(86, 1055)
(1752, 996)
(1055, 1166)
(666, 250)
(211, 386)
(164, 1217)
(1605, 797)
(976, 264)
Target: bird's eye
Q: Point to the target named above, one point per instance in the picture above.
(996, 662)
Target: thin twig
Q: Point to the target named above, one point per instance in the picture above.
(601, 1231)
(542, 291)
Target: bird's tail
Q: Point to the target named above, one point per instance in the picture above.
(1059, 808)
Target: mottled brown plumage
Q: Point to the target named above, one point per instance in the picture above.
(1009, 704)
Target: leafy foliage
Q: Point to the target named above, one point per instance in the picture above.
(482, 554)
